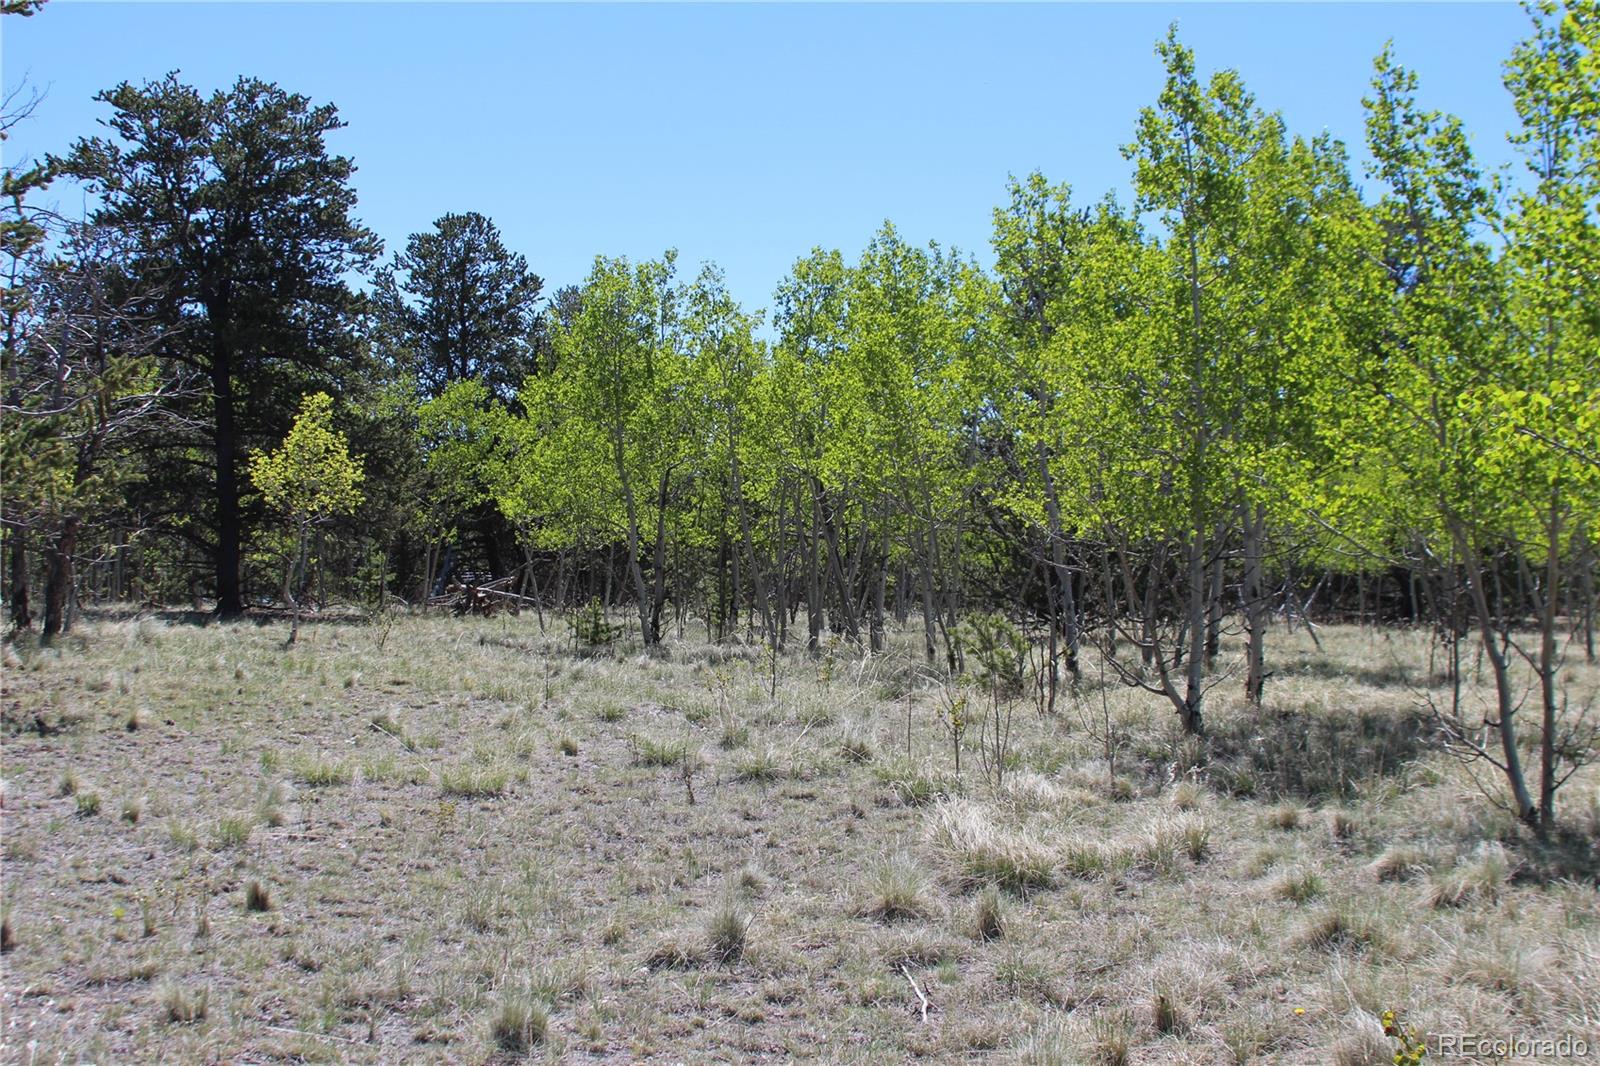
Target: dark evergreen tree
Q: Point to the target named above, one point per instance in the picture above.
(457, 304)
(239, 215)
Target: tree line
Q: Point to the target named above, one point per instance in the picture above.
(1148, 426)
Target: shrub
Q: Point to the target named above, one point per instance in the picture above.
(590, 627)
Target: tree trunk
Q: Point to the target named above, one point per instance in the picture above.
(58, 554)
(297, 569)
(21, 610)
(1505, 697)
(813, 581)
(230, 602)
(1191, 713)
(1549, 665)
(830, 534)
(1256, 613)
(1214, 605)
(1067, 618)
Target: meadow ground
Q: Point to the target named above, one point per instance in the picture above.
(438, 839)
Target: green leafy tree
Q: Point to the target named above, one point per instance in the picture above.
(818, 409)
(1427, 455)
(1540, 409)
(614, 433)
(1040, 244)
(1192, 152)
(308, 480)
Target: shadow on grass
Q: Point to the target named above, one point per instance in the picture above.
(1570, 855)
(1313, 754)
(1382, 675)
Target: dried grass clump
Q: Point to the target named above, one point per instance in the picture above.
(914, 784)
(1051, 1044)
(1299, 885)
(1481, 878)
(185, 1007)
(675, 952)
(1111, 1036)
(897, 890)
(989, 914)
(1362, 1043)
(1286, 817)
(985, 852)
(1399, 862)
(1335, 929)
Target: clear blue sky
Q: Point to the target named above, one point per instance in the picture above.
(743, 134)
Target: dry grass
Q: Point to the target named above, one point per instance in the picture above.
(481, 846)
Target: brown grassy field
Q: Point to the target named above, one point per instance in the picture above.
(460, 840)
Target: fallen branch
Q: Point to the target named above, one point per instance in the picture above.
(314, 1036)
(920, 994)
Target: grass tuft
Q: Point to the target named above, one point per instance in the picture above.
(1363, 1043)
(989, 914)
(896, 890)
(233, 832)
(185, 1007)
(1481, 878)
(648, 751)
(727, 931)
(1166, 1013)
(518, 1023)
(914, 784)
(983, 851)
(1399, 862)
(317, 772)
(759, 764)
(257, 898)
(1110, 1039)
(1335, 929)
(1286, 816)
(1299, 885)
(471, 782)
(674, 952)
